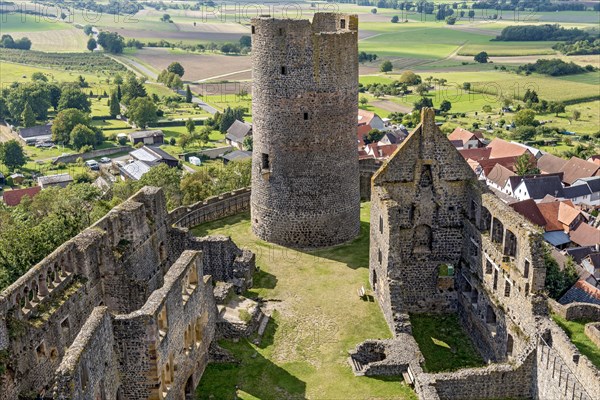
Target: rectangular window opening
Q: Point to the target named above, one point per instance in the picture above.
(253, 29)
(265, 161)
(283, 70)
(306, 116)
(343, 23)
(280, 31)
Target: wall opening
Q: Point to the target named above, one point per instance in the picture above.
(280, 31)
(510, 244)
(426, 176)
(474, 296)
(379, 257)
(509, 345)
(380, 224)
(265, 162)
(495, 283)
(306, 116)
(497, 231)
(253, 29)
(506, 289)
(423, 238)
(484, 222)
(163, 324)
(65, 328)
(490, 315)
(526, 269)
(342, 23)
(374, 279)
(189, 388)
(527, 289)
(488, 266)
(283, 70)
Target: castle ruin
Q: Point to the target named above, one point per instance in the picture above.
(125, 310)
(441, 243)
(305, 179)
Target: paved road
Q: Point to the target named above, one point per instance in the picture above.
(210, 109)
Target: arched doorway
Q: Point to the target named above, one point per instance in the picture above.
(189, 388)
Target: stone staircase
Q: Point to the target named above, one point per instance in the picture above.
(357, 367)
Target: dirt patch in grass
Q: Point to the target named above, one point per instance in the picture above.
(197, 66)
(198, 36)
(392, 107)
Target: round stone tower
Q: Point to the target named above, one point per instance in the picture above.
(305, 179)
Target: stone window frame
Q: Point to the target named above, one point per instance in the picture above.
(41, 351)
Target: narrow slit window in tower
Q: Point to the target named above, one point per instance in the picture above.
(280, 31)
(253, 29)
(265, 161)
(283, 70)
(343, 23)
(306, 116)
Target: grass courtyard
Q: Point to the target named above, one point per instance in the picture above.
(317, 318)
(575, 332)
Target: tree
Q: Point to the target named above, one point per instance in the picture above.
(188, 94)
(165, 18)
(525, 165)
(12, 154)
(39, 76)
(246, 41)
(466, 86)
(247, 143)
(445, 106)
(28, 117)
(190, 126)
(88, 30)
(386, 66)
(524, 117)
(423, 102)
(64, 123)
(524, 133)
(81, 136)
(395, 19)
(115, 106)
(409, 78)
(111, 42)
(421, 89)
(176, 68)
(558, 281)
(531, 96)
(72, 97)
(36, 93)
(91, 44)
(373, 11)
(142, 111)
(576, 115)
(363, 101)
(450, 20)
(556, 107)
(373, 136)
(132, 89)
(169, 179)
(486, 108)
(227, 119)
(481, 57)
(118, 79)
(204, 135)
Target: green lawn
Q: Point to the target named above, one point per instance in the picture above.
(21, 22)
(318, 318)
(444, 343)
(575, 332)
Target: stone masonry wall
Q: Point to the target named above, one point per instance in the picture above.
(88, 369)
(305, 179)
(119, 262)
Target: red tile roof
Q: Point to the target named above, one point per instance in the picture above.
(529, 209)
(550, 164)
(476, 154)
(365, 117)
(378, 151)
(550, 213)
(595, 159)
(506, 162)
(362, 132)
(585, 235)
(499, 174)
(577, 168)
(501, 148)
(14, 197)
(463, 135)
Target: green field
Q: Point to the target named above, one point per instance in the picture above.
(21, 22)
(318, 318)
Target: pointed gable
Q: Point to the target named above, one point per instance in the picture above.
(429, 144)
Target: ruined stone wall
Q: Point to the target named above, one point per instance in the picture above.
(89, 368)
(592, 331)
(305, 179)
(561, 371)
(576, 311)
(119, 262)
(211, 209)
(163, 348)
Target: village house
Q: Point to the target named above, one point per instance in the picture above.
(537, 187)
(380, 152)
(498, 177)
(501, 148)
(147, 137)
(591, 188)
(370, 118)
(36, 134)
(236, 134)
(61, 180)
(464, 139)
(576, 168)
(153, 155)
(550, 164)
(13, 197)
(134, 170)
(236, 155)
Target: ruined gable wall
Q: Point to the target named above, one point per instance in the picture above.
(89, 369)
(154, 361)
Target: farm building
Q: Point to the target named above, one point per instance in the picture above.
(147, 137)
(36, 134)
(236, 134)
(61, 180)
(153, 155)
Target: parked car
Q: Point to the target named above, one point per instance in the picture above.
(93, 165)
(105, 160)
